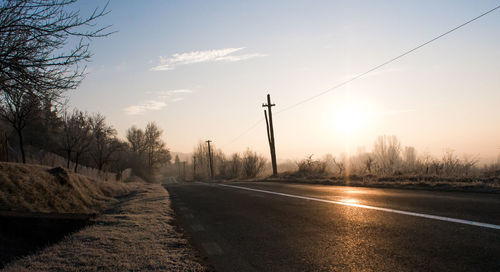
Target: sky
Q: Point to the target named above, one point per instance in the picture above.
(201, 70)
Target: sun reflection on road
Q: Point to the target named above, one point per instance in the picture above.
(350, 200)
(355, 192)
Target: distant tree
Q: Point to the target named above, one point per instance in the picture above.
(148, 150)
(76, 136)
(450, 162)
(409, 158)
(44, 128)
(200, 156)
(18, 108)
(69, 136)
(105, 144)
(340, 165)
(83, 134)
(234, 167)
(157, 152)
(368, 161)
(136, 139)
(387, 152)
(469, 162)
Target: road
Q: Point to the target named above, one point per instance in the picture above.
(269, 226)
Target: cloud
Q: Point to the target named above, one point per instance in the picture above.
(145, 106)
(159, 102)
(225, 54)
(173, 92)
(170, 93)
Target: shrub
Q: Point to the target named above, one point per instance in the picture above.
(311, 167)
(253, 164)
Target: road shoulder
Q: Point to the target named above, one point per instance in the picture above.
(139, 234)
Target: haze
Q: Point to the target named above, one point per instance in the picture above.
(201, 70)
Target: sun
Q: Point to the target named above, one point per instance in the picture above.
(350, 118)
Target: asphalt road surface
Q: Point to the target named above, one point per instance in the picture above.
(288, 227)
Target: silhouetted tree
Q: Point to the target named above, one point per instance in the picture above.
(104, 143)
(34, 53)
(157, 152)
(18, 109)
(136, 139)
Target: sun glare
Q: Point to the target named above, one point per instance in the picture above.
(350, 118)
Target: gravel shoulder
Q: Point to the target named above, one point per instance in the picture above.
(138, 234)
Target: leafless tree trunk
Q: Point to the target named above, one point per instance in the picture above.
(17, 108)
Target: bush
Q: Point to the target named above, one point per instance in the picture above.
(311, 167)
(253, 164)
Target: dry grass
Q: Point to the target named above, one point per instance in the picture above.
(136, 235)
(35, 188)
(425, 183)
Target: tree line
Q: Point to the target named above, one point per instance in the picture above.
(43, 50)
(389, 158)
(87, 139)
(247, 165)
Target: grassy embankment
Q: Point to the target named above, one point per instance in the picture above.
(479, 184)
(133, 230)
(35, 188)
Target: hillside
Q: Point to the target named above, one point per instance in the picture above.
(35, 188)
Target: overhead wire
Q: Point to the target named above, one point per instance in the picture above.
(366, 72)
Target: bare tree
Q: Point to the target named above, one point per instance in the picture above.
(17, 109)
(234, 167)
(409, 158)
(340, 165)
(387, 150)
(35, 55)
(368, 162)
(68, 136)
(83, 135)
(157, 152)
(105, 143)
(136, 139)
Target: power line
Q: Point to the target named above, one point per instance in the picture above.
(387, 62)
(367, 72)
(244, 132)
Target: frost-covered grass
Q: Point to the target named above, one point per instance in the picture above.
(490, 185)
(136, 235)
(36, 188)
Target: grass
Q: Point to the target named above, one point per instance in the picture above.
(35, 188)
(138, 234)
(490, 185)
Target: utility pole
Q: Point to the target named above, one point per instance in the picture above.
(210, 160)
(270, 133)
(194, 166)
(184, 170)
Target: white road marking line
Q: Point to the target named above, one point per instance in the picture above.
(430, 216)
(212, 248)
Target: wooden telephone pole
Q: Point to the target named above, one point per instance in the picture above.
(210, 160)
(194, 166)
(184, 170)
(270, 133)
